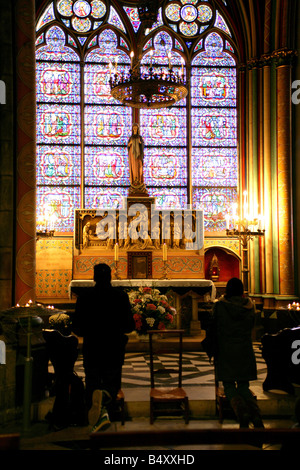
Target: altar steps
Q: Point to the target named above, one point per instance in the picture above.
(201, 402)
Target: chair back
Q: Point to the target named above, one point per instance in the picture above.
(62, 351)
(170, 343)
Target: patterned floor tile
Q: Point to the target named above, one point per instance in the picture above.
(196, 369)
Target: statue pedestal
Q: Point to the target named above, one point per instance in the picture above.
(138, 191)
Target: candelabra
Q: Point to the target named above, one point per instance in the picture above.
(117, 275)
(245, 229)
(45, 226)
(44, 234)
(165, 270)
(165, 265)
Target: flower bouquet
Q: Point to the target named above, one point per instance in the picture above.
(151, 310)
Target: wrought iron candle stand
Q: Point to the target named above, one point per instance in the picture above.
(245, 234)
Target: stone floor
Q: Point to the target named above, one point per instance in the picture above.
(276, 406)
(41, 437)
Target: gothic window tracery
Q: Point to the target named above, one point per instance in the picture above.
(190, 149)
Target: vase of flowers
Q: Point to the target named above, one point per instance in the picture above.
(151, 310)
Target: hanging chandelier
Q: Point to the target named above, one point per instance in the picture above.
(145, 86)
(148, 11)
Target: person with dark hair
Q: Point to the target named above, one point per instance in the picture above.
(102, 317)
(235, 365)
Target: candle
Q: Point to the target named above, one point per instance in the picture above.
(131, 55)
(169, 56)
(151, 58)
(234, 209)
(227, 221)
(164, 252)
(259, 222)
(182, 62)
(116, 252)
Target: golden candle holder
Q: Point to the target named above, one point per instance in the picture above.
(165, 267)
(165, 270)
(117, 275)
(246, 227)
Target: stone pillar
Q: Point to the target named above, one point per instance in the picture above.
(25, 148)
(253, 172)
(267, 174)
(284, 145)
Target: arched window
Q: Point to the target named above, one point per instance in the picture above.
(59, 130)
(107, 126)
(165, 134)
(214, 131)
(82, 132)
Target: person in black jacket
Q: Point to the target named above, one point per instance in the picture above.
(235, 365)
(102, 317)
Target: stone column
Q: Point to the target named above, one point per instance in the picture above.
(253, 171)
(26, 149)
(267, 173)
(284, 145)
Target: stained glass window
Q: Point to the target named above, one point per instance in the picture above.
(82, 132)
(190, 16)
(107, 126)
(214, 135)
(165, 135)
(134, 17)
(58, 130)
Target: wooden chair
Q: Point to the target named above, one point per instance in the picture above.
(163, 400)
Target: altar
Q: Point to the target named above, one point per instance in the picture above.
(195, 288)
(139, 241)
(145, 246)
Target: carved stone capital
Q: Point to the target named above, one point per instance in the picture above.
(284, 57)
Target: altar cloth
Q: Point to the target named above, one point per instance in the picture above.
(179, 286)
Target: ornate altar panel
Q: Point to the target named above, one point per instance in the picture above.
(172, 241)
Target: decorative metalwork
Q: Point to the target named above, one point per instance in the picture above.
(245, 228)
(44, 234)
(149, 89)
(148, 11)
